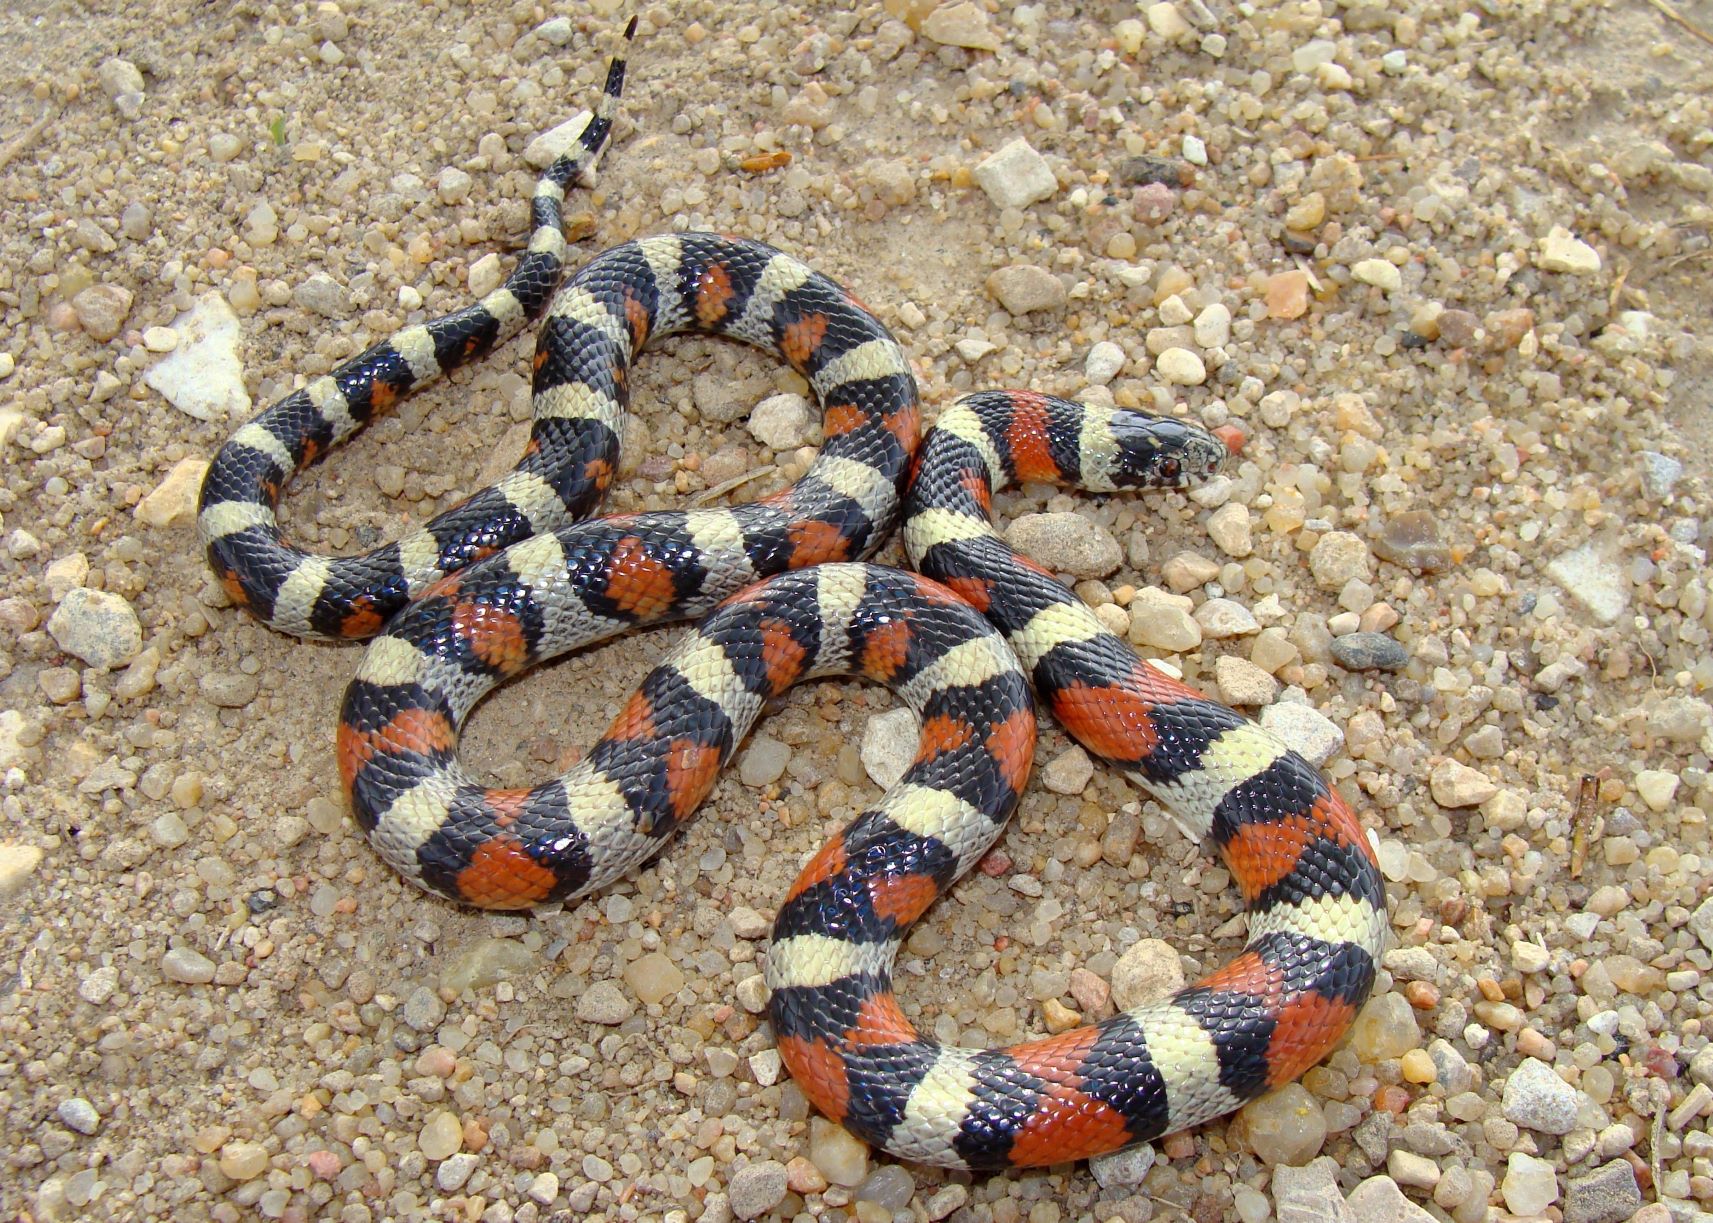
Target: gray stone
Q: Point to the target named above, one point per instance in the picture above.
(1608, 1194)
(79, 1114)
(604, 1003)
(1123, 1169)
(756, 1188)
(323, 295)
(1660, 473)
(1369, 652)
(97, 626)
(454, 1170)
(1537, 1099)
(423, 1010)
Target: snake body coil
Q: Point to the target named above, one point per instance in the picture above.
(511, 578)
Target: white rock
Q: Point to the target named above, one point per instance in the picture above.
(1221, 618)
(17, 864)
(1381, 273)
(1213, 326)
(1313, 735)
(889, 745)
(485, 275)
(1657, 787)
(1530, 1185)
(782, 422)
(1560, 251)
(1104, 361)
(556, 30)
(1147, 972)
(1455, 784)
(1594, 578)
(1180, 367)
(1068, 772)
(1016, 176)
(1165, 20)
(203, 377)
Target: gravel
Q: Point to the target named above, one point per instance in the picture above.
(1468, 371)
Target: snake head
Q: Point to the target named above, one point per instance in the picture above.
(1161, 451)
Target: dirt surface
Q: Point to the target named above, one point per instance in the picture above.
(1469, 433)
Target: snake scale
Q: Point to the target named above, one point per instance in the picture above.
(781, 592)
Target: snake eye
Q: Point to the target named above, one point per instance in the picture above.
(1169, 468)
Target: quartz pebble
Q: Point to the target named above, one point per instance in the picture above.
(101, 309)
(1530, 1185)
(97, 626)
(1068, 772)
(756, 1189)
(888, 745)
(187, 966)
(1181, 367)
(1067, 543)
(836, 1153)
(1285, 1126)
(441, 1137)
(1454, 784)
(1016, 176)
(653, 977)
(782, 422)
(1537, 1099)
(1145, 973)
(763, 761)
(1023, 288)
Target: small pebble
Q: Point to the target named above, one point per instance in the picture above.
(187, 966)
(1536, 1098)
(1530, 1185)
(1369, 652)
(79, 1114)
(1023, 288)
(1015, 177)
(756, 1189)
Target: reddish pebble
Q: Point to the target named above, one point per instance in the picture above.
(436, 1062)
(994, 863)
(1393, 1099)
(323, 1164)
(1232, 436)
(1422, 995)
(1179, 1146)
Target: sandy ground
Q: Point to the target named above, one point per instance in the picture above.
(214, 1001)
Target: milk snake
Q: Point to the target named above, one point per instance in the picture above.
(511, 578)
